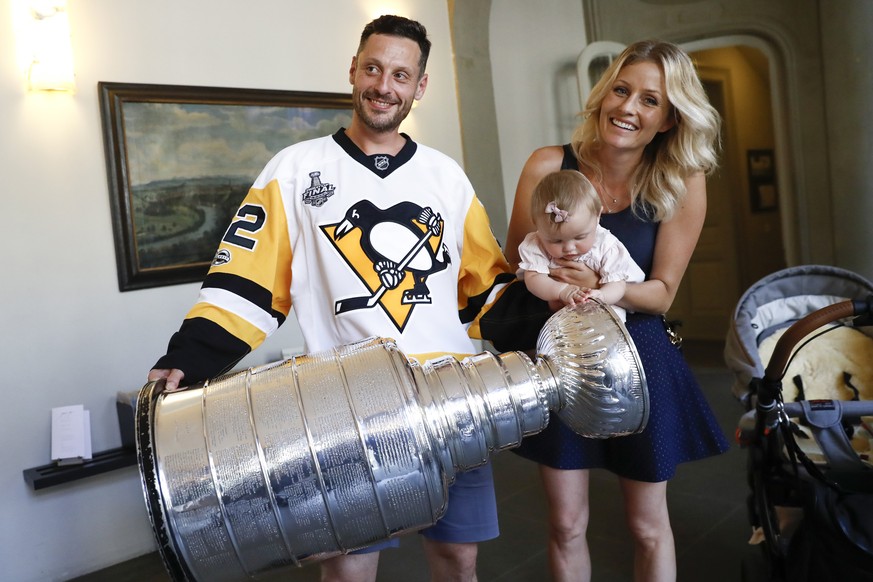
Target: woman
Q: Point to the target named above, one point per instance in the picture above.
(648, 140)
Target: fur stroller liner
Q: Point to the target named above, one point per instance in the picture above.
(815, 517)
(774, 303)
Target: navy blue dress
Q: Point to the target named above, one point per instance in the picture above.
(681, 424)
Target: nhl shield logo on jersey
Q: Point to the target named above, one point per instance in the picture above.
(381, 163)
(318, 192)
(393, 252)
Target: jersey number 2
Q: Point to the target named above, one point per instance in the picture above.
(251, 219)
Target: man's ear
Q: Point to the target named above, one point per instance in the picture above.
(352, 68)
(422, 85)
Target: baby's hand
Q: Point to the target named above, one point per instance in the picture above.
(571, 295)
(591, 294)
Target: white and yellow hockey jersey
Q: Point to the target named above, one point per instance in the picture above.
(390, 246)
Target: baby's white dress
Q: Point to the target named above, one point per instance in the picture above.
(609, 258)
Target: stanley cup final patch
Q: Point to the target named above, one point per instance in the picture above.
(318, 192)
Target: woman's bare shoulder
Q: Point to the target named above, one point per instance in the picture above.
(543, 161)
(547, 156)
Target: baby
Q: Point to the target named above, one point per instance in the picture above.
(565, 209)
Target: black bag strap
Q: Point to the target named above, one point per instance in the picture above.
(795, 454)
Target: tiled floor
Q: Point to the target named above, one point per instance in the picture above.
(707, 508)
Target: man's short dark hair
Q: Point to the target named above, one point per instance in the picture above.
(391, 25)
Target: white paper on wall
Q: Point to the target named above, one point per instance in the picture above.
(71, 434)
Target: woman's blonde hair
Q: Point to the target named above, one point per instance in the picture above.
(689, 147)
(570, 190)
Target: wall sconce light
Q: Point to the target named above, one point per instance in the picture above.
(50, 48)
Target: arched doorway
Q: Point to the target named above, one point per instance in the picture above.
(742, 239)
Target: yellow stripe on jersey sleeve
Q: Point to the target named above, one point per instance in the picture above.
(256, 246)
(482, 259)
(231, 322)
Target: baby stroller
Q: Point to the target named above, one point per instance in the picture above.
(809, 472)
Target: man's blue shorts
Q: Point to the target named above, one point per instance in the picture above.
(471, 514)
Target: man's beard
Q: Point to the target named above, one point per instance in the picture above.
(382, 123)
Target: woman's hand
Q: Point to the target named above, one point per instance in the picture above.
(575, 273)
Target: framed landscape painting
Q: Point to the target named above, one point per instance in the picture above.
(180, 159)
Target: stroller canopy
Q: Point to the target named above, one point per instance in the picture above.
(777, 301)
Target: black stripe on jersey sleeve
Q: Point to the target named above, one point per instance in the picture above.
(245, 288)
(477, 302)
(514, 321)
(202, 349)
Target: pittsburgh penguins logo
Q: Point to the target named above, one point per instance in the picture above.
(393, 252)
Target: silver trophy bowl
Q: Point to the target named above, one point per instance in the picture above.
(322, 454)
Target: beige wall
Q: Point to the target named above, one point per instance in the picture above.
(68, 335)
(848, 83)
(534, 46)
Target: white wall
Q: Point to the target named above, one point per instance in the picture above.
(68, 335)
(534, 46)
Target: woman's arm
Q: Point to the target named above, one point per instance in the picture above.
(541, 162)
(610, 293)
(674, 245)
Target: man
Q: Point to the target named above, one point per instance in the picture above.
(366, 233)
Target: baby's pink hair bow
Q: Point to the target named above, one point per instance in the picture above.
(560, 215)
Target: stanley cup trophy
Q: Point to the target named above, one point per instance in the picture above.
(321, 454)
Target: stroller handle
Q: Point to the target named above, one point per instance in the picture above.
(776, 368)
(851, 410)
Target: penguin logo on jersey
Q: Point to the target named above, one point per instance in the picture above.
(393, 252)
(318, 192)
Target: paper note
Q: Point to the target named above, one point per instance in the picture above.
(86, 432)
(71, 433)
